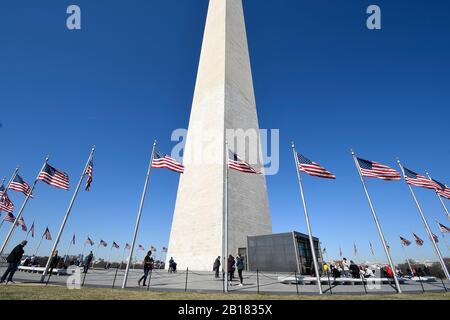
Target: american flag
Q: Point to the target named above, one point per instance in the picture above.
(140, 247)
(6, 204)
(21, 222)
(152, 248)
(443, 229)
(371, 248)
(442, 189)
(2, 190)
(89, 241)
(164, 249)
(374, 169)
(115, 245)
(161, 160)
(419, 241)
(18, 184)
(313, 168)
(435, 237)
(236, 163)
(405, 242)
(10, 217)
(127, 246)
(103, 243)
(415, 179)
(54, 177)
(32, 230)
(47, 234)
(89, 172)
(73, 239)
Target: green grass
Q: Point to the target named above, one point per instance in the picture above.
(38, 292)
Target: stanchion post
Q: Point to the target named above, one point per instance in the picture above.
(115, 276)
(149, 279)
(443, 283)
(257, 279)
(296, 281)
(421, 284)
(364, 283)
(186, 282)
(329, 282)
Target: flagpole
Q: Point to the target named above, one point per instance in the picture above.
(427, 227)
(225, 227)
(9, 182)
(442, 234)
(440, 199)
(39, 245)
(308, 224)
(28, 233)
(66, 217)
(138, 219)
(19, 215)
(6, 189)
(407, 260)
(68, 249)
(110, 253)
(377, 223)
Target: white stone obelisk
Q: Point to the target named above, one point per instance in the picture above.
(223, 100)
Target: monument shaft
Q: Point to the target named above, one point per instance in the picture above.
(223, 101)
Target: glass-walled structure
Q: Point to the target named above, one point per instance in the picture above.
(282, 252)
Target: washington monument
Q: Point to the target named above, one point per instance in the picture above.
(223, 103)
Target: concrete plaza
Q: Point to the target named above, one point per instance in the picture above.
(206, 282)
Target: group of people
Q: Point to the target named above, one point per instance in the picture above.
(232, 265)
(349, 269)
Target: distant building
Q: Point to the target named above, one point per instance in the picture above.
(282, 252)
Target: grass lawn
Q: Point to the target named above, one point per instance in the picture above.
(38, 292)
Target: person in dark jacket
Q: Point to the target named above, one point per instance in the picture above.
(13, 262)
(354, 270)
(87, 262)
(148, 266)
(230, 265)
(216, 266)
(240, 267)
(54, 262)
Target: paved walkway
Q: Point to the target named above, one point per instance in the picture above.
(205, 282)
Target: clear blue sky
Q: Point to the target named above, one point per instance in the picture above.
(320, 77)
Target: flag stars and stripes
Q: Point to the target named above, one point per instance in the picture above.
(415, 179)
(405, 242)
(374, 169)
(419, 241)
(20, 185)
(89, 241)
(47, 234)
(6, 204)
(237, 164)
(161, 160)
(54, 177)
(443, 229)
(313, 168)
(89, 173)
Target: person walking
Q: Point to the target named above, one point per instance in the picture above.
(87, 262)
(216, 267)
(240, 267)
(13, 262)
(148, 266)
(230, 265)
(346, 268)
(326, 269)
(54, 262)
(171, 262)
